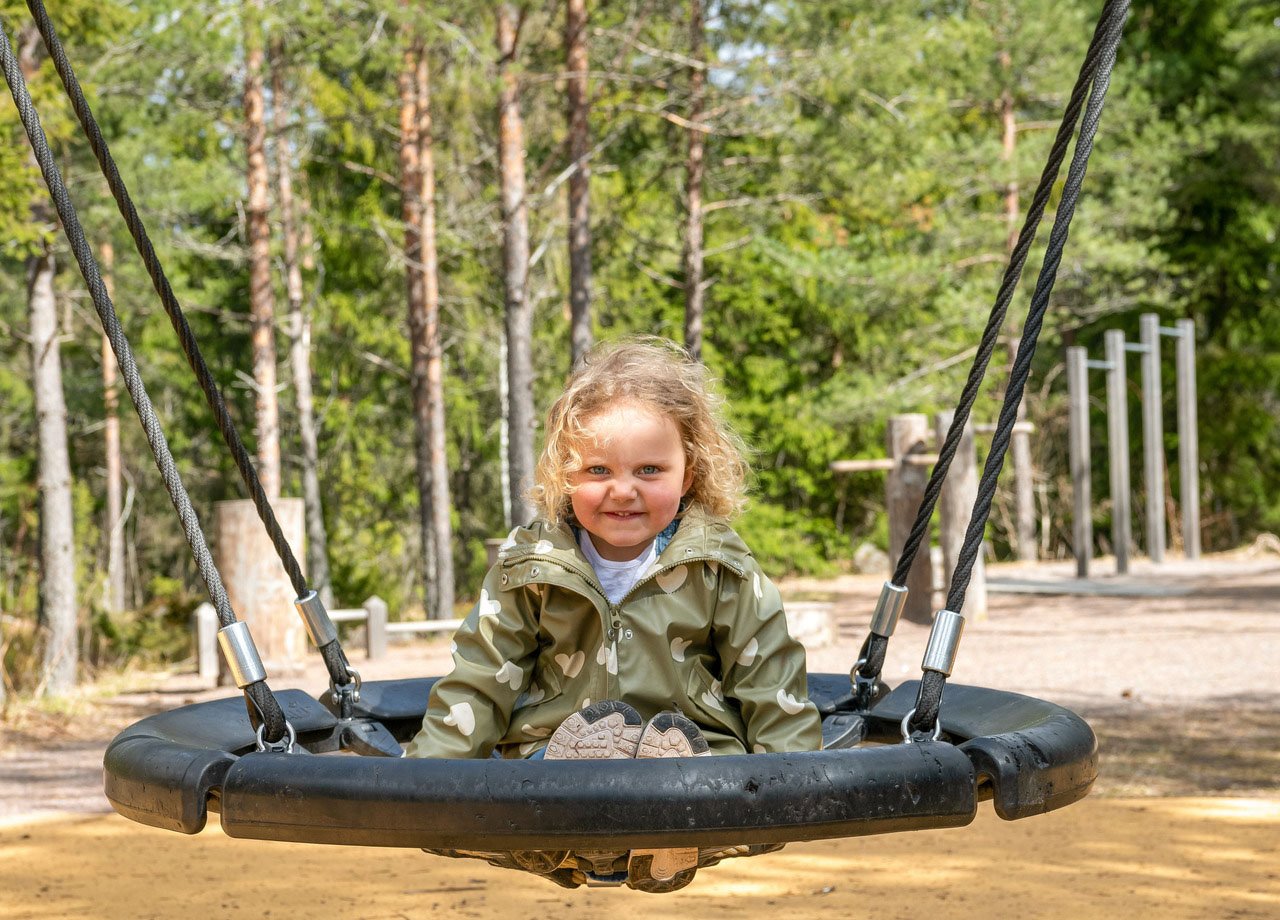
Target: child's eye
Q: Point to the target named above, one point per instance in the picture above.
(650, 470)
(597, 470)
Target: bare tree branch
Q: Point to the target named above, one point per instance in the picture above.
(662, 54)
(932, 369)
(750, 200)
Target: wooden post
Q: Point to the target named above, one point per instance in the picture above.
(1152, 433)
(955, 510)
(1188, 439)
(257, 587)
(205, 621)
(1118, 445)
(1081, 472)
(904, 489)
(376, 627)
(1024, 495)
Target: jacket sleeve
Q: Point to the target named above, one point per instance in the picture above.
(495, 649)
(764, 668)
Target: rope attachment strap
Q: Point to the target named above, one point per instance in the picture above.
(335, 660)
(866, 672)
(247, 669)
(324, 636)
(284, 746)
(939, 661)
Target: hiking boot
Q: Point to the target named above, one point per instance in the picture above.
(657, 871)
(607, 730)
(661, 871)
(540, 862)
(669, 734)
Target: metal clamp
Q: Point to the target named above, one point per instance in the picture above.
(906, 728)
(241, 654)
(855, 671)
(316, 619)
(888, 608)
(349, 691)
(283, 746)
(944, 640)
(864, 688)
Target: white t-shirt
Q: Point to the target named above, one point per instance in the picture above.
(617, 578)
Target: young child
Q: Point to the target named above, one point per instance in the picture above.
(628, 619)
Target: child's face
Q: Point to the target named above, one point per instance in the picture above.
(632, 478)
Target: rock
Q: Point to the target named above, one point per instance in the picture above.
(809, 623)
(869, 559)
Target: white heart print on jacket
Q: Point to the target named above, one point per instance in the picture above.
(790, 705)
(570, 665)
(462, 717)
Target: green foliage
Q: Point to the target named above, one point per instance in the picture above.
(854, 243)
(157, 633)
(787, 542)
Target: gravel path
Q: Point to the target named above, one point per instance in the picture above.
(1166, 665)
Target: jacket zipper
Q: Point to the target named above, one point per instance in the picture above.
(613, 627)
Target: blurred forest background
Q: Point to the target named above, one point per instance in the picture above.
(395, 224)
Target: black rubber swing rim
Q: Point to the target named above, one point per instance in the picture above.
(168, 770)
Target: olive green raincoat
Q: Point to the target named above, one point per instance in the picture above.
(703, 633)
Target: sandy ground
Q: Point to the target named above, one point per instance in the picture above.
(1175, 859)
(1173, 665)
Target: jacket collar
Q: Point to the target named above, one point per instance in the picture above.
(699, 537)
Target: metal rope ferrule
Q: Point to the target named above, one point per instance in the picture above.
(888, 608)
(241, 654)
(944, 641)
(315, 617)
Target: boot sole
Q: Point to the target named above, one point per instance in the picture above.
(607, 730)
(670, 734)
(662, 871)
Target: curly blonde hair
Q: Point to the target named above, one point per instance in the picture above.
(653, 372)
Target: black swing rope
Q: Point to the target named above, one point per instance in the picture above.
(932, 683)
(263, 704)
(335, 660)
(1098, 60)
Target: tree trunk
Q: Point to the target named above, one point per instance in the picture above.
(57, 534)
(58, 607)
(438, 461)
(411, 215)
(1024, 500)
(515, 251)
(904, 489)
(261, 297)
(299, 340)
(1009, 144)
(694, 169)
(113, 593)
(504, 433)
(575, 42)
